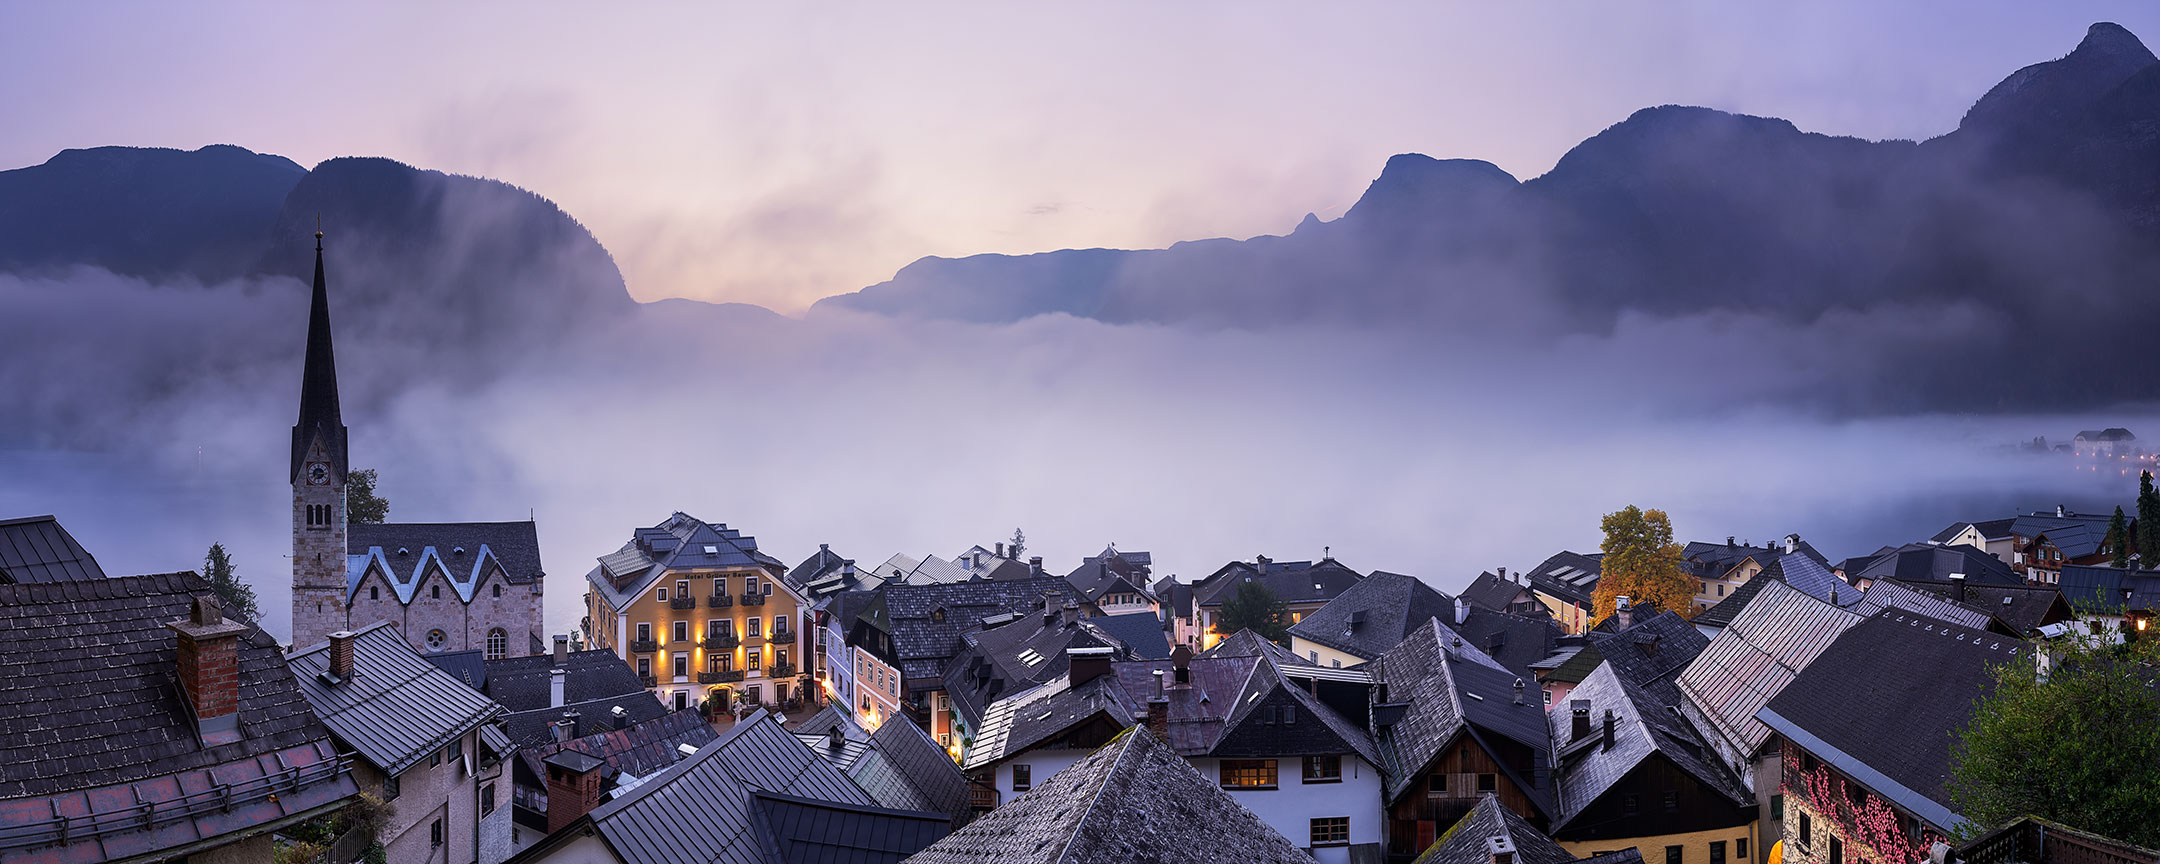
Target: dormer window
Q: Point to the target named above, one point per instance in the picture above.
(712, 551)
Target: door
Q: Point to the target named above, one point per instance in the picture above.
(682, 699)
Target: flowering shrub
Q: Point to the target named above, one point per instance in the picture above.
(1871, 823)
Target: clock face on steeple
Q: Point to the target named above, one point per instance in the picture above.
(318, 473)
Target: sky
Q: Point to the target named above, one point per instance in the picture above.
(775, 153)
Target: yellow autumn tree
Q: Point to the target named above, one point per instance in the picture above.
(1643, 563)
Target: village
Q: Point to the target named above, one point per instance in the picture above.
(1710, 702)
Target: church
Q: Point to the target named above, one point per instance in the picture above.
(447, 586)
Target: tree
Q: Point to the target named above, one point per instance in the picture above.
(2148, 519)
(1254, 608)
(2079, 743)
(1643, 563)
(362, 505)
(2118, 540)
(236, 596)
(1018, 544)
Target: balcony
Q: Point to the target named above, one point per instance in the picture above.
(644, 646)
(720, 601)
(753, 599)
(982, 797)
(729, 676)
(682, 603)
(781, 670)
(649, 680)
(719, 642)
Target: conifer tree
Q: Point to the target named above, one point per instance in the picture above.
(237, 597)
(2148, 520)
(2118, 539)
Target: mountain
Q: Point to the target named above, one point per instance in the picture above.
(1991, 267)
(148, 212)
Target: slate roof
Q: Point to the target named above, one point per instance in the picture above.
(639, 749)
(1645, 727)
(1019, 654)
(1246, 643)
(1112, 571)
(37, 549)
(1374, 614)
(1573, 665)
(1652, 653)
(927, 570)
(1993, 529)
(1449, 687)
(1492, 592)
(1569, 576)
(794, 829)
(2098, 589)
(1290, 581)
(1174, 594)
(1516, 641)
(464, 555)
(2076, 535)
(1892, 594)
(1722, 614)
(1887, 696)
(1140, 631)
(1922, 562)
(702, 808)
(924, 644)
(122, 718)
(524, 683)
(1465, 841)
(319, 415)
(530, 728)
(2024, 607)
(1815, 580)
(468, 666)
(397, 708)
(1752, 659)
(679, 542)
(898, 765)
(1134, 799)
(820, 565)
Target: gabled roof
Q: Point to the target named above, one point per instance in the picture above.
(1140, 631)
(641, 749)
(1923, 562)
(1135, 799)
(1722, 614)
(1468, 841)
(924, 641)
(1652, 653)
(1374, 614)
(795, 829)
(898, 765)
(1883, 703)
(1290, 581)
(1017, 655)
(1105, 574)
(1272, 718)
(701, 809)
(818, 566)
(680, 542)
(524, 683)
(927, 570)
(469, 666)
(1572, 665)
(2024, 607)
(1569, 576)
(37, 549)
(1752, 659)
(1450, 686)
(532, 728)
(2076, 534)
(1992, 529)
(1515, 641)
(1246, 643)
(396, 708)
(2101, 590)
(1492, 592)
(1815, 580)
(1645, 727)
(1892, 594)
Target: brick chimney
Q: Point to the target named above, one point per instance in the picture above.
(1501, 848)
(341, 657)
(1158, 710)
(209, 670)
(573, 787)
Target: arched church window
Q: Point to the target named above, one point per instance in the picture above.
(435, 592)
(374, 593)
(437, 640)
(498, 643)
(498, 590)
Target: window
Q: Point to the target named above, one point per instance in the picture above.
(374, 593)
(435, 592)
(1672, 802)
(1488, 783)
(779, 626)
(1023, 777)
(644, 632)
(682, 631)
(1548, 698)
(660, 594)
(498, 590)
(753, 694)
(1717, 852)
(390, 788)
(1631, 803)
(1331, 831)
(756, 626)
(487, 799)
(682, 700)
(749, 585)
(1323, 769)
(682, 665)
(768, 588)
(1436, 784)
(779, 656)
(498, 643)
(434, 759)
(434, 833)
(1837, 850)
(1672, 855)
(644, 667)
(456, 752)
(1740, 848)
(1314, 656)
(437, 640)
(682, 587)
(1338, 664)
(1807, 830)
(1777, 807)
(1248, 773)
(756, 658)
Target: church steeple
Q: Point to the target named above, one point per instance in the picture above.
(319, 416)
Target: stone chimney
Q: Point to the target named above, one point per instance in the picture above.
(1001, 549)
(834, 738)
(573, 787)
(341, 657)
(1792, 544)
(1158, 710)
(557, 678)
(618, 718)
(1501, 848)
(1623, 613)
(1957, 587)
(1518, 691)
(1069, 613)
(1462, 610)
(209, 669)
(1035, 564)
(1260, 562)
(565, 727)
(562, 651)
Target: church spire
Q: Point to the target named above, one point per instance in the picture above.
(319, 415)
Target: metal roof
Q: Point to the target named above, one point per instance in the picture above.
(1751, 660)
(396, 708)
(37, 549)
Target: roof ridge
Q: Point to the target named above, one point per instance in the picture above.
(1123, 739)
(356, 634)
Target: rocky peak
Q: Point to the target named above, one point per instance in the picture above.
(2047, 93)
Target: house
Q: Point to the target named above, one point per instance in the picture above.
(144, 725)
(2108, 598)
(37, 549)
(905, 569)
(2023, 608)
(1720, 568)
(1868, 731)
(622, 752)
(999, 563)
(1178, 617)
(1566, 584)
(1284, 740)
(1634, 773)
(2046, 542)
(1302, 586)
(1133, 799)
(905, 637)
(2111, 441)
(1716, 618)
(1650, 654)
(425, 742)
(1927, 562)
(1367, 618)
(1747, 664)
(448, 586)
(755, 795)
(1817, 580)
(667, 603)
(1492, 834)
(1008, 656)
(1116, 583)
(1993, 537)
(1497, 591)
(1452, 726)
(898, 765)
(834, 617)
(1566, 667)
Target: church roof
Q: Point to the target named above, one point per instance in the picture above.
(319, 414)
(466, 552)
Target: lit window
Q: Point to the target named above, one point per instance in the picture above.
(1331, 831)
(757, 658)
(1248, 773)
(756, 626)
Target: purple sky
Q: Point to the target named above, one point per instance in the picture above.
(775, 156)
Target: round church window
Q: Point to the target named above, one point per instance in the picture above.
(436, 639)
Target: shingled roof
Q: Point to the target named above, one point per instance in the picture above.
(1570, 576)
(679, 542)
(396, 708)
(1290, 581)
(924, 640)
(1892, 594)
(639, 749)
(1749, 662)
(1722, 614)
(1469, 840)
(2026, 608)
(1931, 563)
(37, 549)
(1135, 799)
(1883, 702)
(1019, 654)
(468, 553)
(899, 765)
(1374, 614)
(1644, 729)
(1493, 592)
(1450, 686)
(1652, 653)
(525, 683)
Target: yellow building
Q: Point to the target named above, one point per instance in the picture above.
(701, 615)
